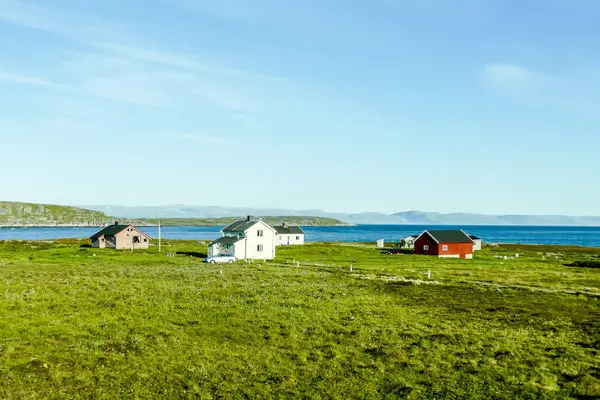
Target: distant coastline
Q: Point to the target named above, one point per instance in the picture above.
(361, 218)
(13, 214)
(29, 215)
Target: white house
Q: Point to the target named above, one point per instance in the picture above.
(245, 239)
(288, 235)
(477, 242)
(408, 242)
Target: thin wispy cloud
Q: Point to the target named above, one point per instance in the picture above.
(576, 94)
(515, 80)
(67, 124)
(210, 139)
(146, 83)
(31, 16)
(113, 65)
(13, 79)
(177, 60)
(246, 120)
(78, 26)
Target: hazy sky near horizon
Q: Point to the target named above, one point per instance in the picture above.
(486, 106)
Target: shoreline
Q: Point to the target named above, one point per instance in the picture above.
(486, 246)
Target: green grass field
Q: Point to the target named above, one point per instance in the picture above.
(105, 324)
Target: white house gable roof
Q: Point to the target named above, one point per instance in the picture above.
(245, 224)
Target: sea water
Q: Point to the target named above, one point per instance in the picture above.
(560, 235)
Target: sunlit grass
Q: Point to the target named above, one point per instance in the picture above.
(88, 323)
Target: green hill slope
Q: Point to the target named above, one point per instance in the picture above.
(28, 214)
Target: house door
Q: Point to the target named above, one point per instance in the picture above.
(288, 240)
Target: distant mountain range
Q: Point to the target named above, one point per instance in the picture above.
(14, 214)
(405, 217)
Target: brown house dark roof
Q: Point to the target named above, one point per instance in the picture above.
(112, 230)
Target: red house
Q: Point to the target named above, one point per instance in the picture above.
(449, 244)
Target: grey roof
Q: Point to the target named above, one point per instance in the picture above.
(230, 240)
(288, 229)
(474, 237)
(450, 236)
(112, 230)
(240, 225)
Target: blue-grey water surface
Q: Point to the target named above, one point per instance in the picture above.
(583, 236)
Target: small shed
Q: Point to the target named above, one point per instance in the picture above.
(477, 242)
(408, 242)
(380, 243)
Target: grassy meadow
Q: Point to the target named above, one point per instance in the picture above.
(103, 324)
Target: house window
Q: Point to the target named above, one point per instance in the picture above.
(259, 233)
(145, 240)
(445, 247)
(297, 237)
(426, 247)
(259, 247)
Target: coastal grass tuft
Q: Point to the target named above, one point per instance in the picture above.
(78, 322)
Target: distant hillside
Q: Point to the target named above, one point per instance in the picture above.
(27, 214)
(432, 218)
(275, 220)
(30, 215)
(405, 217)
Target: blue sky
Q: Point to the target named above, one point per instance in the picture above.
(486, 106)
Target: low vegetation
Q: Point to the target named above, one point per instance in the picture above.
(86, 323)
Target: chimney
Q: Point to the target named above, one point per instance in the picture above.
(284, 224)
(249, 218)
(116, 222)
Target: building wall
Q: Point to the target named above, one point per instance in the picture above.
(212, 250)
(455, 249)
(285, 239)
(477, 244)
(99, 243)
(236, 249)
(123, 239)
(253, 241)
(426, 240)
(409, 242)
(240, 249)
(107, 243)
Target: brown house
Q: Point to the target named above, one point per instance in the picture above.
(448, 244)
(120, 237)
